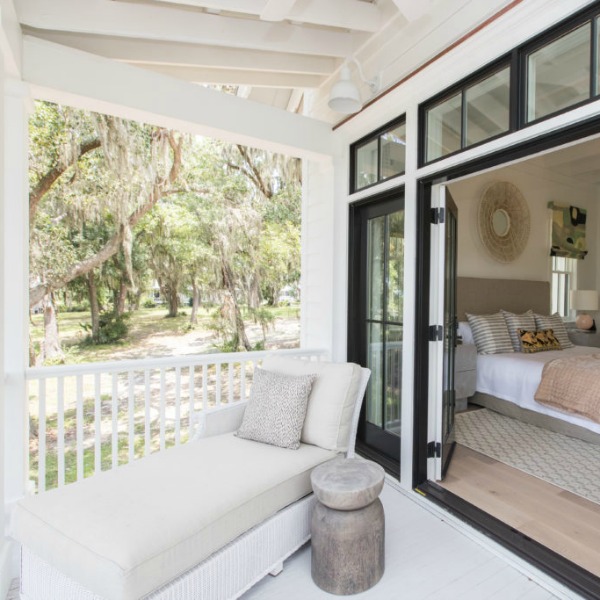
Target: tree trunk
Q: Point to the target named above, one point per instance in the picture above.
(240, 329)
(173, 300)
(95, 309)
(121, 298)
(137, 299)
(52, 347)
(195, 303)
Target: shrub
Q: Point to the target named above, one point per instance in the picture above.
(112, 328)
(149, 303)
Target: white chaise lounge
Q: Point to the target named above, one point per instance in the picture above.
(205, 520)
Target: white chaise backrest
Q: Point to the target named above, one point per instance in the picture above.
(334, 401)
(362, 388)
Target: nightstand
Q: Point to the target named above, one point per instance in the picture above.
(584, 338)
(465, 374)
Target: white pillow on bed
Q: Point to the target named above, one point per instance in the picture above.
(490, 333)
(556, 323)
(464, 331)
(515, 322)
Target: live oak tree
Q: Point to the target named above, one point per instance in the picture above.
(115, 204)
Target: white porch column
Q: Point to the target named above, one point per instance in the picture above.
(316, 322)
(15, 237)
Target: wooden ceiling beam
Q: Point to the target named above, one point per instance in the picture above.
(347, 14)
(237, 77)
(161, 23)
(183, 54)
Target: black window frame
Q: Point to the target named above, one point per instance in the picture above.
(461, 88)
(517, 59)
(370, 137)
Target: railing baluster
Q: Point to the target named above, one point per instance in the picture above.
(79, 424)
(230, 399)
(243, 380)
(42, 437)
(218, 384)
(115, 420)
(177, 405)
(146, 412)
(192, 385)
(131, 416)
(60, 426)
(163, 385)
(97, 423)
(204, 390)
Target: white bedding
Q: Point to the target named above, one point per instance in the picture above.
(515, 377)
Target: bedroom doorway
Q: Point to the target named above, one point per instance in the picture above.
(554, 527)
(375, 326)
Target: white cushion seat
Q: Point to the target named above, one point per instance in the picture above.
(128, 531)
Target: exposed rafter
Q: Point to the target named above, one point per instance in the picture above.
(276, 10)
(106, 17)
(238, 77)
(183, 54)
(347, 14)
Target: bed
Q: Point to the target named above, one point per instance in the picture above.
(507, 382)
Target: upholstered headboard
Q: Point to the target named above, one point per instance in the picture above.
(486, 296)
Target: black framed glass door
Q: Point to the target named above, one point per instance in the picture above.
(376, 318)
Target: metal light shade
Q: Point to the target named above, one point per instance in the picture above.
(344, 96)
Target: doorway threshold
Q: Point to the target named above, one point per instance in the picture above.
(553, 567)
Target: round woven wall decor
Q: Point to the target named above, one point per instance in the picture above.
(503, 221)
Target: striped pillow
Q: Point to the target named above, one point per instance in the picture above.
(557, 325)
(490, 333)
(515, 322)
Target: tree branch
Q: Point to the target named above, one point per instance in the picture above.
(111, 247)
(47, 181)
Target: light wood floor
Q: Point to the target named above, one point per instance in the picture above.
(560, 520)
(426, 558)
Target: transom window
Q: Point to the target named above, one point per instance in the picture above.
(378, 156)
(554, 72)
(475, 112)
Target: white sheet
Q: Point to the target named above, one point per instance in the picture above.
(515, 377)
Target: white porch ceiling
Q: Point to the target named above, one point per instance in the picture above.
(269, 51)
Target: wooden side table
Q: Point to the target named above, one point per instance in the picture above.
(348, 526)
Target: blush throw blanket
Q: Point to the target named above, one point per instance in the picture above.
(572, 385)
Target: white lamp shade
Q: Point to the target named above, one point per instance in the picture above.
(584, 299)
(344, 96)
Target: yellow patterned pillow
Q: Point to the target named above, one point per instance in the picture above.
(538, 341)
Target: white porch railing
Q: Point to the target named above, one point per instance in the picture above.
(84, 419)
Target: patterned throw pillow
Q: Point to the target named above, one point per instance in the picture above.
(490, 333)
(557, 325)
(538, 341)
(276, 409)
(515, 322)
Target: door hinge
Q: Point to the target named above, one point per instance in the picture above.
(434, 450)
(437, 215)
(436, 333)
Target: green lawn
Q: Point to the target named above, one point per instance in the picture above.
(144, 324)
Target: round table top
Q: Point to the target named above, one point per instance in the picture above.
(347, 483)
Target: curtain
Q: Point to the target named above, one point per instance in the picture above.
(568, 231)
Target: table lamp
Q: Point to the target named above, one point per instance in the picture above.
(583, 300)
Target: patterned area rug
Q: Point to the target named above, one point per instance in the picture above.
(559, 459)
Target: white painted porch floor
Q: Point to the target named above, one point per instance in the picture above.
(428, 555)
